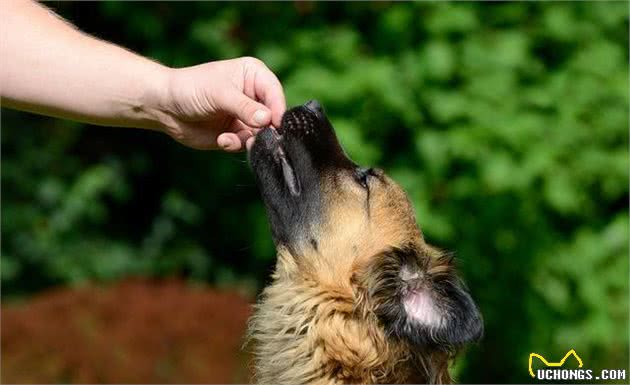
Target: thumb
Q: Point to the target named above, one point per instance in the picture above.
(245, 109)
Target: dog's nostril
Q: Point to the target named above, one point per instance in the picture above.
(314, 106)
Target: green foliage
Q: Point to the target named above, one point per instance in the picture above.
(506, 123)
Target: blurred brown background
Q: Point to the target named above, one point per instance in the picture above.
(134, 331)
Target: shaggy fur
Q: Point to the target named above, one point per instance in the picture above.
(357, 296)
(305, 333)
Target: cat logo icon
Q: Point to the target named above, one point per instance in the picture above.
(553, 364)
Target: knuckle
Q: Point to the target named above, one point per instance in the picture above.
(252, 61)
(244, 105)
(178, 133)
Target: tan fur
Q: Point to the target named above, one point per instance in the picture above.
(314, 323)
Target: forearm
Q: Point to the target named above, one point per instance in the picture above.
(50, 67)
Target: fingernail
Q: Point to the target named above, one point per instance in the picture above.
(224, 142)
(250, 143)
(261, 117)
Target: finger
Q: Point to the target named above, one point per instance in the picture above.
(250, 143)
(269, 90)
(237, 127)
(193, 135)
(230, 142)
(243, 132)
(245, 109)
(243, 135)
(263, 85)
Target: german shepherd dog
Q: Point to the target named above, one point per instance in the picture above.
(357, 296)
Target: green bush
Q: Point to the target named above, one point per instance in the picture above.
(506, 123)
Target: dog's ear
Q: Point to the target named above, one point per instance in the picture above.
(418, 297)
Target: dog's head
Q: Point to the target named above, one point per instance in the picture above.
(346, 226)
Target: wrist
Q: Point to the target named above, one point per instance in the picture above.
(150, 110)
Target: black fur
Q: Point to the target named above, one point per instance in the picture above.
(310, 146)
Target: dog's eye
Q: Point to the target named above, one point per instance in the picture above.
(362, 176)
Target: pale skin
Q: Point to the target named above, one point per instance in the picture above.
(49, 67)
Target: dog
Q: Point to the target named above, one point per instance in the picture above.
(357, 296)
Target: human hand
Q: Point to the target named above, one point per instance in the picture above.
(222, 104)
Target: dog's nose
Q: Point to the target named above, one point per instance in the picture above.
(314, 106)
